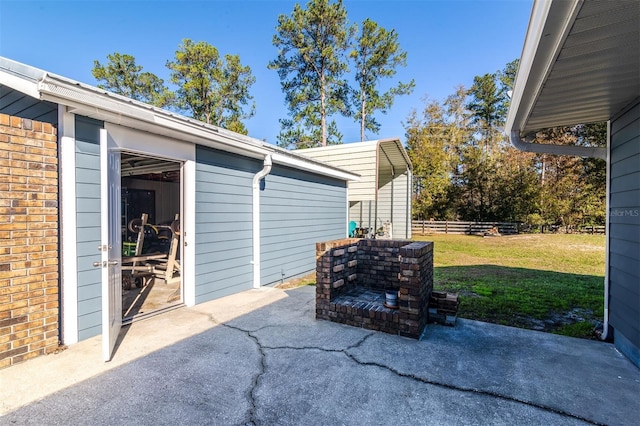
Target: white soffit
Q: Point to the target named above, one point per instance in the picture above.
(580, 64)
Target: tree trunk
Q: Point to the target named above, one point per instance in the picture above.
(363, 117)
(323, 113)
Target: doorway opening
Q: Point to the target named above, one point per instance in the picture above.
(151, 194)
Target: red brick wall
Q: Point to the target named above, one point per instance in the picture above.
(28, 239)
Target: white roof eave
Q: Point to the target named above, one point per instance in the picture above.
(96, 103)
(548, 29)
(546, 32)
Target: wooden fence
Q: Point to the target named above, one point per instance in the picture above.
(426, 227)
(592, 229)
(471, 228)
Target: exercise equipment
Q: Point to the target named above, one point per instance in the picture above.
(143, 268)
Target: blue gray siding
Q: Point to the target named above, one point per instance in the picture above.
(297, 209)
(88, 226)
(223, 239)
(624, 232)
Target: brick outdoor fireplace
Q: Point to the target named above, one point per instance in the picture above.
(352, 276)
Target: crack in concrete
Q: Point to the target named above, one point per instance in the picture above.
(317, 348)
(413, 377)
(261, 370)
(262, 366)
(472, 390)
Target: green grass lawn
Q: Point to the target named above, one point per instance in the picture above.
(549, 282)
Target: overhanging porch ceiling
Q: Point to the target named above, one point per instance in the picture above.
(586, 65)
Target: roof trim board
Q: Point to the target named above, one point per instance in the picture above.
(545, 35)
(90, 101)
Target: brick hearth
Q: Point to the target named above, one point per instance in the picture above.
(352, 276)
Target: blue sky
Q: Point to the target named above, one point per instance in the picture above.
(448, 42)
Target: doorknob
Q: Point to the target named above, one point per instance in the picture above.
(104, 264)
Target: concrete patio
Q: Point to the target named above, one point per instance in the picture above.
(260, 357)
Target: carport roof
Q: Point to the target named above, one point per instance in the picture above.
(89, 101)
(372, 160)
(391, 149)
(580, 64)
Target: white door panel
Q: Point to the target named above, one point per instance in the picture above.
(111, 244)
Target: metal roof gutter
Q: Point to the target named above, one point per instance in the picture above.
(580, 151)
(549, 27)
(90, 101)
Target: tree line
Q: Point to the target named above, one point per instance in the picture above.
(316, 47)
(210, 87)
(466, 169)
(464, 166)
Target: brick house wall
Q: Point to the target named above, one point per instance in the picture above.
(29, 278)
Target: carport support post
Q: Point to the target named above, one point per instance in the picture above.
(369, 224)
(409, 215)
(266, 169)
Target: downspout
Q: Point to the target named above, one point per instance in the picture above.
(605, 325)
(375, 215)
(409, 218)
(266, 169)
(580, 151)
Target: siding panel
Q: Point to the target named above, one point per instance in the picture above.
(395, 192)
(625, 198)
(297, 210)
(624, 226)
(223, 251)
(626, 147)
(373, 162)
(625, 232)
(629, 165)
(626, 182)
(358, 158)
(88, 226)
(620, 261)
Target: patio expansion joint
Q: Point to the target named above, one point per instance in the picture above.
(472, 390)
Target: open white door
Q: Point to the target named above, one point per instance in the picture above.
(111, 244)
